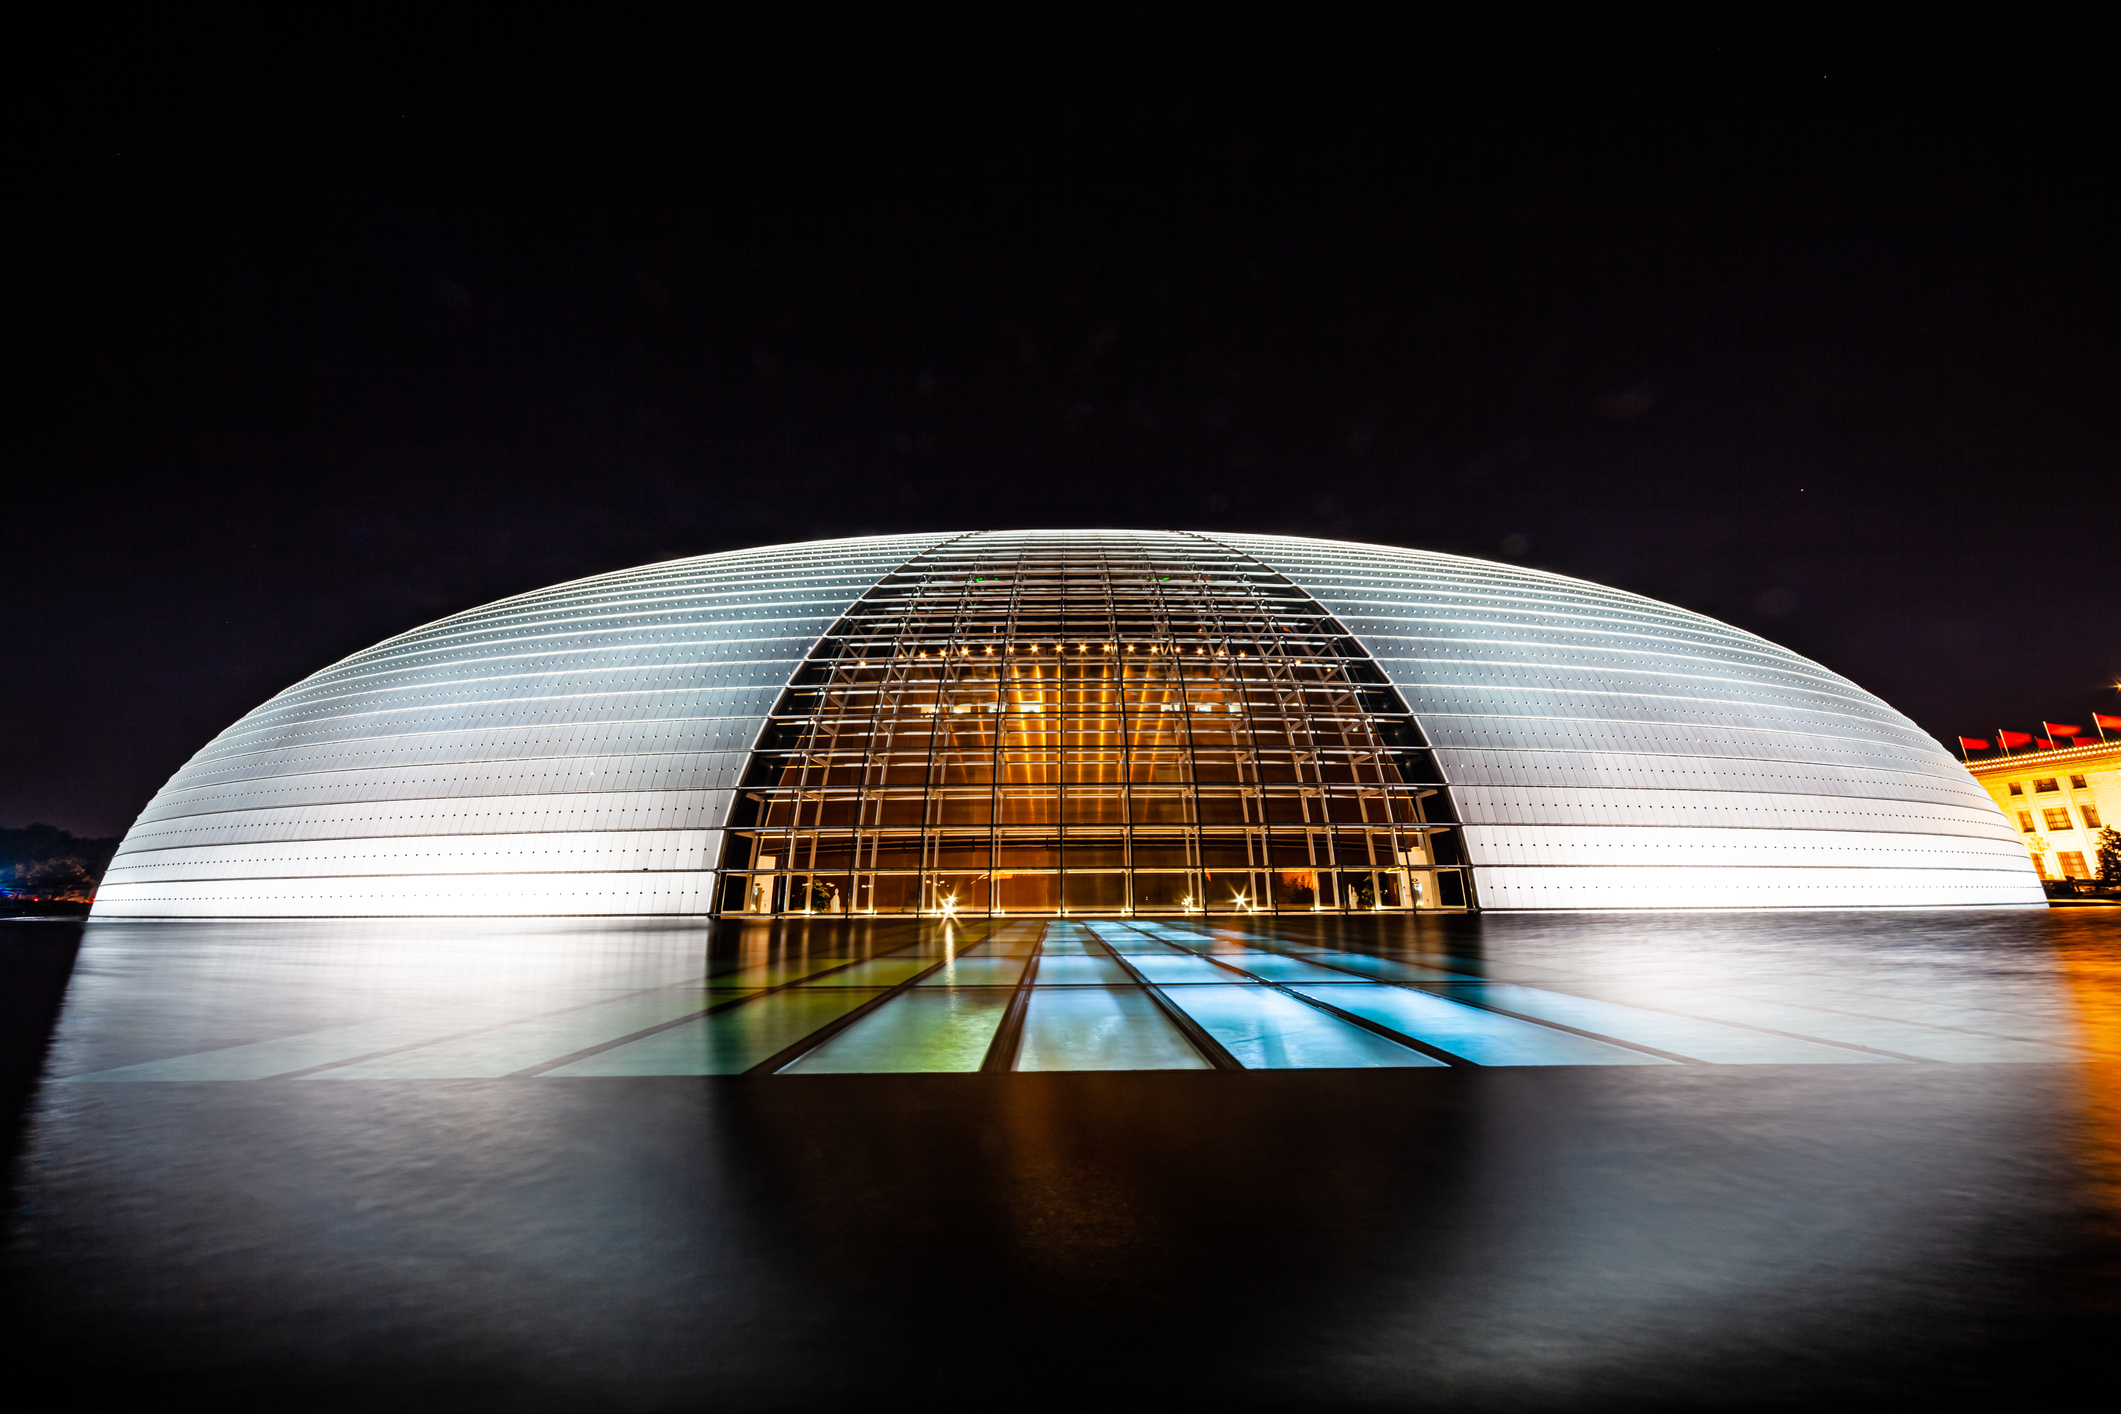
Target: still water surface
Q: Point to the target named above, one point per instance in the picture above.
(1567, 1162)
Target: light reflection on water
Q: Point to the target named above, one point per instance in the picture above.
(1896, 1175)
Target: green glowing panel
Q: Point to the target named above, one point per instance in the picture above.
(726, 1042)
(979, 972)
(878, 972)
(921, 1031)
(774, 974)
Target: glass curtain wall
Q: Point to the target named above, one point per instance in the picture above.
(1085, 724)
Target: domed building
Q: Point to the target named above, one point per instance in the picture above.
(1074, 723)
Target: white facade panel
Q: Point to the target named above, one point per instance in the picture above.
(1608, 805)
(651, 810)
(1634, 847)
(1515, 887)
(597, 894)
(626, 851)
(1609, 751)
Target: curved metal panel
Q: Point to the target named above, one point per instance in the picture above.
(568, 751)
(1609, 751)
(576, 750)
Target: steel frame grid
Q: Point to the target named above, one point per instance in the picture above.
(1109, 724)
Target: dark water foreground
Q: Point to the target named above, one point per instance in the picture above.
(1634, 1161)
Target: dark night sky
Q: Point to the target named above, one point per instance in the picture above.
(313, 335)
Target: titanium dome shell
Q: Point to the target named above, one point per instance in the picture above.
(896, 724)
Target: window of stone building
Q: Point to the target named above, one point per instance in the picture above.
(2057, 819)
(2040, 865)
(2025, 821)
(2045, 784)
(2072, 863)
(2076, 783)
(2017, 788)
(2091, 816)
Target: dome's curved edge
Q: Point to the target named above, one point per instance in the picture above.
(1618, 820)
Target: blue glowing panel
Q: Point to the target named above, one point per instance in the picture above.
(1666, 1031)
(1096, 1028)
(1266, 1030)
(1180, 967)
(1062, 970)
(1482, 1037)
(1384, 968)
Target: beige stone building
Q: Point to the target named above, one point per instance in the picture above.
(2058, 800)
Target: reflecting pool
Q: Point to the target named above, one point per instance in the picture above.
(1564, 1161)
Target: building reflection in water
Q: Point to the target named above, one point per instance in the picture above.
(2088, 952)
(1485, 1159)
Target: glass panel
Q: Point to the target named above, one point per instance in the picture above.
(983, 971)
(1266, 1030)
(1682, 1035)
(942, 1030)
(1276, 968)
(1182, 968)
(1389, 968)
(725, 1042)
(1090, 1028)
(772, 974)
(1063, 971)
(507, 1049)
(877, 972)
(1481, 1037)
(1121, 938)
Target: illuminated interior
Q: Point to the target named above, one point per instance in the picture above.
(1094, 724)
